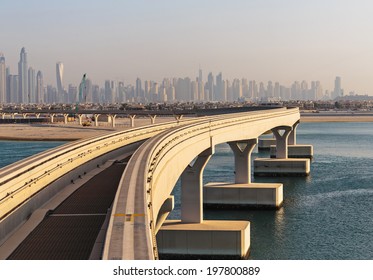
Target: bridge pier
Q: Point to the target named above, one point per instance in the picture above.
(165, 210)
(3, 116)
(178, 118)
(243, 193)
(132, 120)
(112, 119)
(294, 150)
(152, 119)
(192, 189)
(80, 117)
(65, 116)
(192, 236)
(52, 117)
(13, 115)
(37, 115)
(24, 115)
(282, 165)
(96, 116)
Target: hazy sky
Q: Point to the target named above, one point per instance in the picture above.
(278, 40)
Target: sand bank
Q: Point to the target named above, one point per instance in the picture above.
(72, 131)
(334, 118)
(68, 132)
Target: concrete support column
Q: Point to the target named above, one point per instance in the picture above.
(132, 120)
(152, 119)
(293, 135)
(112, 117)
(52, 117)
(24, 115)
(14, 115)
(165, 210)
(192, 189)
(178, 117)
(95, 116)
(3, 115)
(281, 141)
(65, 116)
(37, 115)
(80, 116)
(242, 159)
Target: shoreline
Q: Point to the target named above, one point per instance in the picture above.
(58, 132)
(336, 118)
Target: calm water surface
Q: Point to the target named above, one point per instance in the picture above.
(12, 151)
(327, 215)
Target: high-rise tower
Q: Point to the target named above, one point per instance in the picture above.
(201, 93)
(337, 88)
(2, 79)
(23, 96)
(31, 85)
(59, 75)
(39, 88)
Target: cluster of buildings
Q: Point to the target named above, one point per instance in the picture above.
(27, 87)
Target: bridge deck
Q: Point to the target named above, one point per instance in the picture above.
(71, 230)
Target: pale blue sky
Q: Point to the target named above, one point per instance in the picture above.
(283, 40)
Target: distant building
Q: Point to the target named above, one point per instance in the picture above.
(13, 89)
(59, 76)
(337, 88)
(23, 78)
(2, 79)
(221, 88)
(31, 85)
(138, 91)
(39, 94)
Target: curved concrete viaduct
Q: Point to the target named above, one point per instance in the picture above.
(152, 172)
(143, 199)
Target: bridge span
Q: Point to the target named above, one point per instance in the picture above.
(137, 227)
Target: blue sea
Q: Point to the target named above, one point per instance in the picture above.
(327, 215)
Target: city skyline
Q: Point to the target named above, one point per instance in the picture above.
(272, 40)
(28, 88)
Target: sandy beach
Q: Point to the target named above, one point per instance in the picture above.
(72, 131)
(336, 118)
(67, 132)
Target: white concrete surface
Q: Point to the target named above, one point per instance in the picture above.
(295, 151)
(243, 195)
(210, 238)
(281, 167)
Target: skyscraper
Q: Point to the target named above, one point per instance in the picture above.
(337, 88)
(13, 88)
(59, 75)
(39, 96)
(138, 91)
(221, 89)
(31, 85)
(23, 78)
(201, 93)
(210, 87)
(2, 79)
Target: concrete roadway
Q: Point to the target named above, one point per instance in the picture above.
(71, 230)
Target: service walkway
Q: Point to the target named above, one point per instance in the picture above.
(71, 230)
